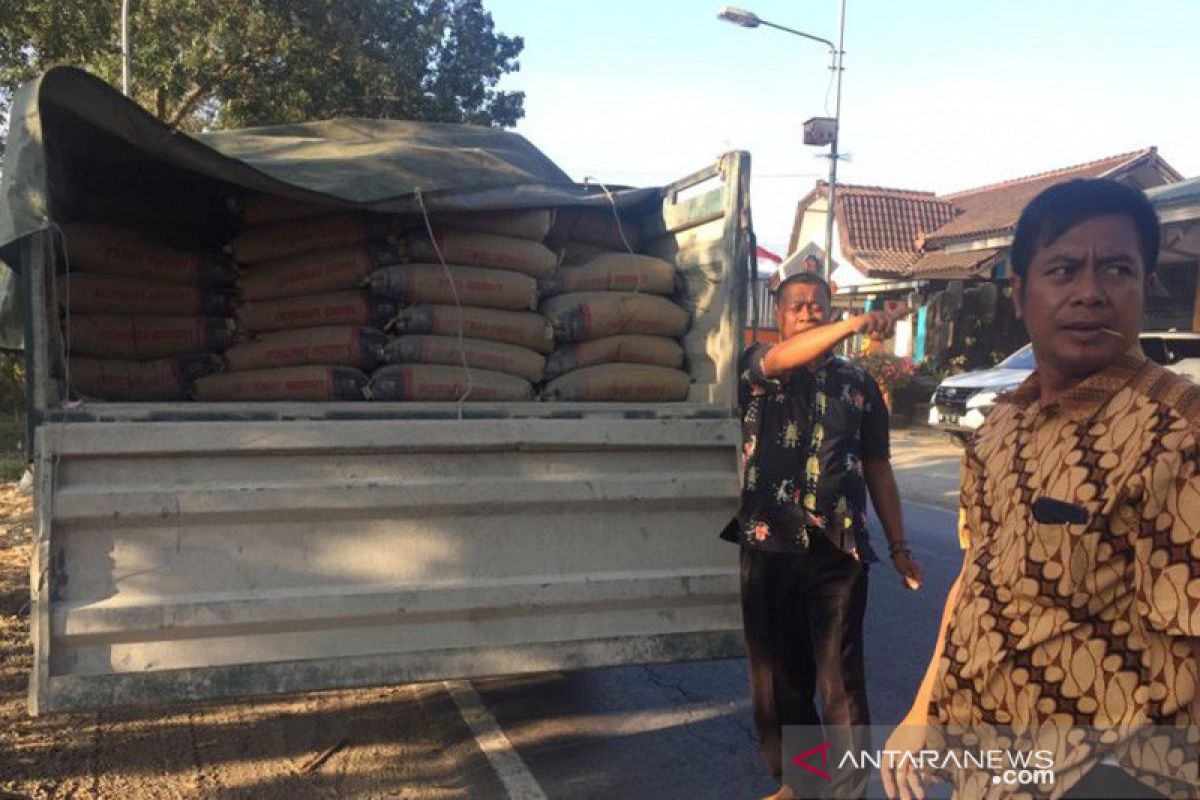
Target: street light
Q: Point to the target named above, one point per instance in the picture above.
(739, 16)
(748, 19)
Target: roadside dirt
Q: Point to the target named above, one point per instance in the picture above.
(396, 742)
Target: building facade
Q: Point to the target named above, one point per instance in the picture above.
(951, 252)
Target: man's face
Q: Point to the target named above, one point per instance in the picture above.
(1091, 277)
(801, 306)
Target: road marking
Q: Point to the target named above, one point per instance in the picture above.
(929, 507)
(518, 781)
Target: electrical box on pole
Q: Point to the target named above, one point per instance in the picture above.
(820, 131)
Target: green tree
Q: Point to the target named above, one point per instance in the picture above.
(208, 64)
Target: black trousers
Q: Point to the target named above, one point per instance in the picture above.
(1106, 782)
(803, 619)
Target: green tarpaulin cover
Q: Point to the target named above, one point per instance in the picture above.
(373, 164)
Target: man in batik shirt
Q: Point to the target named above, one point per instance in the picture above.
(1076, 616)
(815, 442)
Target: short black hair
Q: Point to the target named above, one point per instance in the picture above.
(1063, 206)
(810, 278)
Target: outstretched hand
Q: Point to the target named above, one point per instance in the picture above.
(880, 324)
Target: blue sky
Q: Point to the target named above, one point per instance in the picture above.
(937, 95)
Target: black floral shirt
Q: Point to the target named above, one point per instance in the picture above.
(804, 438)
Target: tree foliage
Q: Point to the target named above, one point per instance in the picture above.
(208, 64)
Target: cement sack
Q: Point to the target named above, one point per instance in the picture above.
(264, 208)
(523, 328)
(89, 293)
(596, 226)
(576, 254)
(312, 383)
(158, 379)
(428, 382)
(472, 249)
(620, 383)
(479, 354)
(615, 272)
(523, 224)
(580, 316)
(280, 239)
(450, 285)
(110, 250)
(342, 345)
(315, 272)
(357, 307)
(627, 348)
(147, 337)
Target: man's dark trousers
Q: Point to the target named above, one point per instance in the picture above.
(803, 618)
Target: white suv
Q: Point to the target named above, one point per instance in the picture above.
(962, 402)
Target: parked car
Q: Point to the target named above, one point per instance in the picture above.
(962, 402)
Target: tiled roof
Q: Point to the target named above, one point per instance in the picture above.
(886, 232)
(940, 265)
(889, 219)
(994, 209)
(882, 263)
(879, 226)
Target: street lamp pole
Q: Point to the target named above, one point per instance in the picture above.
(748, 19)
(838, 53)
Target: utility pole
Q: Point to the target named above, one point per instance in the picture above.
(838, 54)
(125, 47)
(748, 19)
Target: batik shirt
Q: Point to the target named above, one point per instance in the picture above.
(1080, 596)
(804, 438)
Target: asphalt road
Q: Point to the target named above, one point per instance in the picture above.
(668, 731)
(684, 730)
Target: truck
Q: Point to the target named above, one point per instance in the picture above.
(189, 551)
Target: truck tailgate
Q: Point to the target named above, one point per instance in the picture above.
(193, 559)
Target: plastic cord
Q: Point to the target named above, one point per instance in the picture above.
(617, 218)
(462, 352)
(626, 311)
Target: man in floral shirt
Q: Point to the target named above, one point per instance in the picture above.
(815, 442)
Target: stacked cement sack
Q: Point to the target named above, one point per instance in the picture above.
(316, 303)
(469, 328)
(616, 331)
(142, 320)
(306, 328)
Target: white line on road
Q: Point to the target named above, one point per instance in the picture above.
(518, 781)
(928, 507)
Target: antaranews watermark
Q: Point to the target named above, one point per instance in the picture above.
(987, 761)
(1008, 767)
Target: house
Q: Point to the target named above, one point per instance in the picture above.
(952, 250)
(760, 300)
(1173, 303)
(975, 242)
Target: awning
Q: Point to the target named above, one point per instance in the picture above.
(1176, 202)
(955, 266)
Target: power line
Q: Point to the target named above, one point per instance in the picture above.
(755, 176)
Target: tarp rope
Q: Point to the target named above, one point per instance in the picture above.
(626, 310)
(462, 350)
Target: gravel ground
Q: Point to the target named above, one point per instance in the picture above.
(396, 742)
